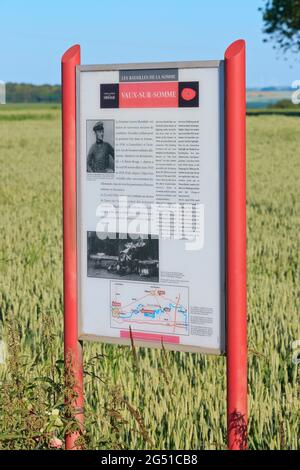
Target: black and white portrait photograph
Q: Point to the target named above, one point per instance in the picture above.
(100, 146)
(114, 258)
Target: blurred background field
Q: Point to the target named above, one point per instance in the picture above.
(144, 398)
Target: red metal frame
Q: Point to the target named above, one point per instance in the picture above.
(72, 347)
(236, 288)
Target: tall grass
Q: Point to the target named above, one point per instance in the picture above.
(149, 399)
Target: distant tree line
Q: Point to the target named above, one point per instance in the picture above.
(28, 93)
(284, 104)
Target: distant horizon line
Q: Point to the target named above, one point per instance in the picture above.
(248, 88)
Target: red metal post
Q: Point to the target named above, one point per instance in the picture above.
(236, 301)
(72, 347)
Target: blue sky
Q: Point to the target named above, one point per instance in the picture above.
(34, 35)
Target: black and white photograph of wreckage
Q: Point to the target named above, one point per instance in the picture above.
(127, 258)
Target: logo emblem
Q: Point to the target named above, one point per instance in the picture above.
(188, 94)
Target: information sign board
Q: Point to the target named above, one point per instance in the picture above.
(150, 204)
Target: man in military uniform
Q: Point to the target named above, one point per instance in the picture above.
(101, 156)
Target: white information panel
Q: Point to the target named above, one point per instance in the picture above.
(150, 205)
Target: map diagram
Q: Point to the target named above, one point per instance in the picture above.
(159, 309)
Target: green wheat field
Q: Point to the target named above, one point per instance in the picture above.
(142, 398)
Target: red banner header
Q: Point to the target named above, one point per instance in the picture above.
(148, 95)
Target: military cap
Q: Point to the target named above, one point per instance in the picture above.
(98, 126)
